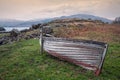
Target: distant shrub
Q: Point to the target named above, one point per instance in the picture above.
(35, 26)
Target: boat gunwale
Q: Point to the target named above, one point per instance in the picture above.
(75, 40)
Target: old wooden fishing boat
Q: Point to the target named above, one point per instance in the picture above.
(85, 53)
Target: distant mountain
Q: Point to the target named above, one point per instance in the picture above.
(86, 16)
(79, 16)
(9, 22)
(37, 21)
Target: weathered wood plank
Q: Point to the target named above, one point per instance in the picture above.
(41, 40)
(86, 53)
(74, 40)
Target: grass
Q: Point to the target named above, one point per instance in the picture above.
(23, 61)
(106, 33)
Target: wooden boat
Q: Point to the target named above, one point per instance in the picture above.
(85, 53)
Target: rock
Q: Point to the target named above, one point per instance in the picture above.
(2, 29)
(14, 33)
(47, 30)
(24, 31)
(4, 40)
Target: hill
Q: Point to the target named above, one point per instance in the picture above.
(71, 28)
(87, 16)
(33, 22)
(86, 29)
(9, 22)
(78, 16)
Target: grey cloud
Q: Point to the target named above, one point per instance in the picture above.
(29, 9)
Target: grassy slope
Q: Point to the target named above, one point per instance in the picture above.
(23, 61)
(106, 33)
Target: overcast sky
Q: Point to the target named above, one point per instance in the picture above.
(39, 9)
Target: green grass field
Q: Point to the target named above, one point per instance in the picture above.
(23, 61)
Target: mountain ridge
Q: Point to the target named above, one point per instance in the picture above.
(37, 21)
(87, 16)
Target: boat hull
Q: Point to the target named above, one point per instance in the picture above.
(85, 53)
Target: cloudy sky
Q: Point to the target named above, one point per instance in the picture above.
(39, 9)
